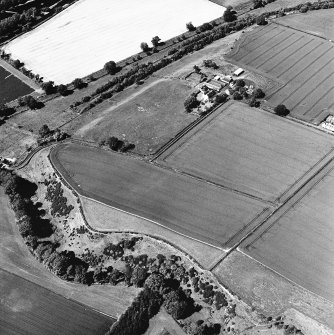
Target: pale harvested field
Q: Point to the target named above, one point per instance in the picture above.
(15, 258)
(184, 204)
(320, 22)
(81, 39)
(249, 150)
(270, 293)
(104, 218)
(303, 62)
(27, 308)
(298, 240)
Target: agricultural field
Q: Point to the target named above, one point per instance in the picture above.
(27, 308)
(148, 119)
(105, 24)
(303, 63)
(297, 241)
(183, 204)
(11, 87)
(250, 151)
(14, 141)
(320, 22)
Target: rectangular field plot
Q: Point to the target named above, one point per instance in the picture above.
(302, 62)
(298, 240)
(81, 39)
(250, 151)
(183, 204)
(320, 22)
(11, 87)
(26, 308)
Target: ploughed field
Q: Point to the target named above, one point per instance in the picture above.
(303, 63)
(82, 38)
(298, 240)
(181, 203)
(11, 87)
(26, 308)
(250, 151)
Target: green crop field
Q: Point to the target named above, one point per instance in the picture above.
(303, 63)
(29, 309)
(250, 151)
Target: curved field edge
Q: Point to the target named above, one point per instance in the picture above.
(40, 163)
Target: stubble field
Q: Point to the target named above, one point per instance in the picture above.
(303, 63)
(249, 151)
(81, 39)
(186, 205)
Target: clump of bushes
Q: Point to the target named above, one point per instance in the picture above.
(55, 194)
(116, 144)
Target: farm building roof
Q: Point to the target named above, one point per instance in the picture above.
(239, 71)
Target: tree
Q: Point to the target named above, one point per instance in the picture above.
(155, 41)
(190, 103)
(197, 69)
(25, 227)
(31, 102)
(17, 64)
(178, 304)
(240, 83)
(144, 46)
(155, 281)
(261, 20)
(62, 89)
(110, 67)
(138, 276)
(44, 131)
(281, 110)
(258, 3)
(230, 15)
(48, 87)
(237, 96)
(190, 26)
(112, 142)
(78, 83)
(259, 94)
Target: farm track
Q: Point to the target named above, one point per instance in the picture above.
(273, 217)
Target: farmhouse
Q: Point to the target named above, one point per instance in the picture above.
(214, 85)
(238, 72)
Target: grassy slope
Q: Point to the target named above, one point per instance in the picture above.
(16, 259)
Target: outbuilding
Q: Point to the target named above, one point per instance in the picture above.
(239, 71)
